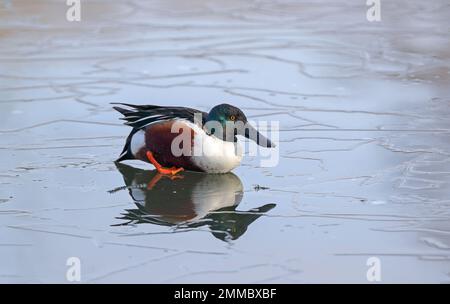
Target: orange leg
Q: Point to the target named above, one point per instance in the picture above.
(161, 169)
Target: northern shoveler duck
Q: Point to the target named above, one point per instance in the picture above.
(212, 145)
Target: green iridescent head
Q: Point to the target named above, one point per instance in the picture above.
(226, 122)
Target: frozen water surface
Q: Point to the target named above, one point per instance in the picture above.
(364, 166)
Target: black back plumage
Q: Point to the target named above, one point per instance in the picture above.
(140, 116)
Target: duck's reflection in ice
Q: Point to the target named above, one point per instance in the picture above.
(188, 200)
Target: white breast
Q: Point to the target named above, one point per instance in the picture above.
(213, 155)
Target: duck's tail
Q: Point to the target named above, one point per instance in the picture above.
(126, 152)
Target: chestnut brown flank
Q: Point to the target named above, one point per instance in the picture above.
(158, 140)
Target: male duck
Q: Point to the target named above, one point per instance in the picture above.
(212, 146)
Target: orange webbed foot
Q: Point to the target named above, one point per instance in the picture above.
(161, 169)
(169, 171)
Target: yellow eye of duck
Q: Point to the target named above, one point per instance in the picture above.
(232, 117)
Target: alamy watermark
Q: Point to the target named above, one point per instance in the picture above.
(73, 273)
(74, 11)
(374, 11)
(373, 274)
(221, 139)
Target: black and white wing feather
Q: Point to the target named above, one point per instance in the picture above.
(140, 116)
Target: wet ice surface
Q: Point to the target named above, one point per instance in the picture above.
(364, 164)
